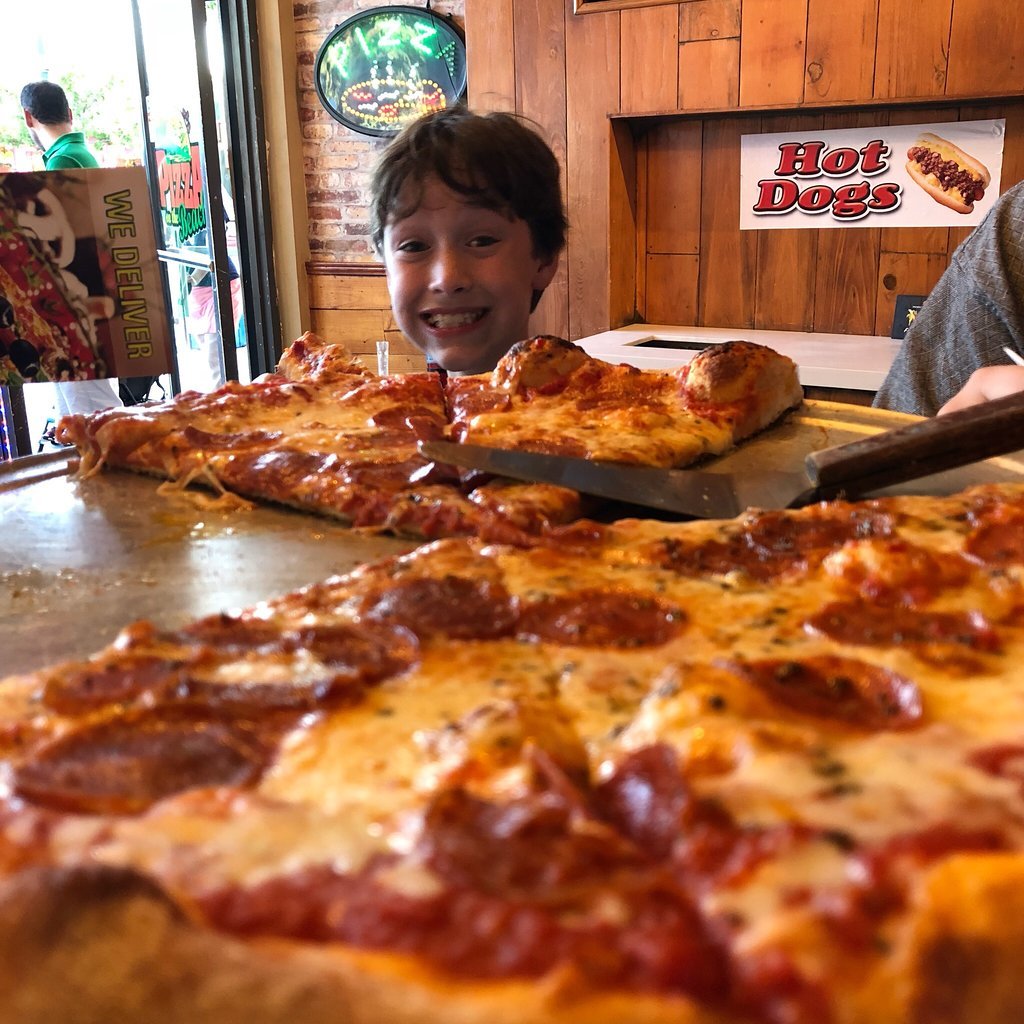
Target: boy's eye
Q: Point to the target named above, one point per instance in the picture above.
(411, 245)
(482, 241)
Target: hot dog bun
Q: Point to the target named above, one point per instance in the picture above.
(948, 174)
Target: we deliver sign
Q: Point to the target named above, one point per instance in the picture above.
(926, 175)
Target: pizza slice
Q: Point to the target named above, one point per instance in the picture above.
(322, 435)
(325, 435)
(548, 395)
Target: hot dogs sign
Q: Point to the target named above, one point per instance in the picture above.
(928, 175)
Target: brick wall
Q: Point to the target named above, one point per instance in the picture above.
(337, 162)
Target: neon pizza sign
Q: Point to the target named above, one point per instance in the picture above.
(384, 67)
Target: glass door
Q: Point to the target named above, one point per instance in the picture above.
(188, 145)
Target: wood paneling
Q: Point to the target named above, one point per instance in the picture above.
(785, 260)
(985, 52)
(592, 51)
(728, 256)
(840, 49)
(709, 19)
(632, 244)
(844, 281)
(350, 305)
(541, 96)
(490, 53)
(846, 269)
(622, 230)
(674, 188)
(650, 58)
(671, 289)
(772, 49)
(709, 74)
(912, 40)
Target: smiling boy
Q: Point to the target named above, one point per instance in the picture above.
(467, 215)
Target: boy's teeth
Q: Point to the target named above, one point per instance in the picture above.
(453, 319)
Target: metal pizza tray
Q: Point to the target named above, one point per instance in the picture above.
(81, 559)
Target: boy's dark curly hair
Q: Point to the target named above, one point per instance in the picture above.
(493, 159)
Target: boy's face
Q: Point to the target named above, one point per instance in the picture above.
(461, 279)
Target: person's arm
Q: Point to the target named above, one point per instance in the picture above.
(973, 312)
(985, 384)
(958, 329)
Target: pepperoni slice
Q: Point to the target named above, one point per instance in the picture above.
(119, 682)
(998, 538)
(1004, 760)
(525, 849)
(352, 657)
(601, 618)
(876, 625)
(125, 765)
(205, 441)
(647, 799)
(467, 609)
(773, 544)
(838, 689)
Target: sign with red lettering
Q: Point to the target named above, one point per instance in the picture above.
(924, 175)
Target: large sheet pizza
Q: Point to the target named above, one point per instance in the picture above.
(763, 770)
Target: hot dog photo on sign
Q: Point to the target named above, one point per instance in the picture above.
(948, 174)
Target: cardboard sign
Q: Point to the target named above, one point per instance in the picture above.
(80, 291)
(858, 177)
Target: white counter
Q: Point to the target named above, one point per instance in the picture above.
(858, 362)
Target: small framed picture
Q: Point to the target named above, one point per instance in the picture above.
(907, 308)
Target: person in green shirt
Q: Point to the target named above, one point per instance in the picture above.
(49, 119)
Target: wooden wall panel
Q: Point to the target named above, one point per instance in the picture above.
(672, 289)
(772, 50)
(674, 188)
(912, 41)
(840, 49)
(592, 52)
(727, 255)
(350, 305)
(541, 96)
(709, 74)
(785, 260)
(985, 52)
(490, 53)
(622, 231)
(650, 58)
(846, 271)
(709, 19)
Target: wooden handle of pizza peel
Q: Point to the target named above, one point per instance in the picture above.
(941, 442)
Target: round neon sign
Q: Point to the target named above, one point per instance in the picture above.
(382, 68)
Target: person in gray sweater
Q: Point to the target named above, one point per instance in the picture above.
(973, 314)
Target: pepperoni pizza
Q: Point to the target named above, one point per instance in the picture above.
(326, 436)
(749, 772)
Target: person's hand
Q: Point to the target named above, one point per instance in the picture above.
(984, 384)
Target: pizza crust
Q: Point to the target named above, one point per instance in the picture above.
(966, 944)
(107, 946)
